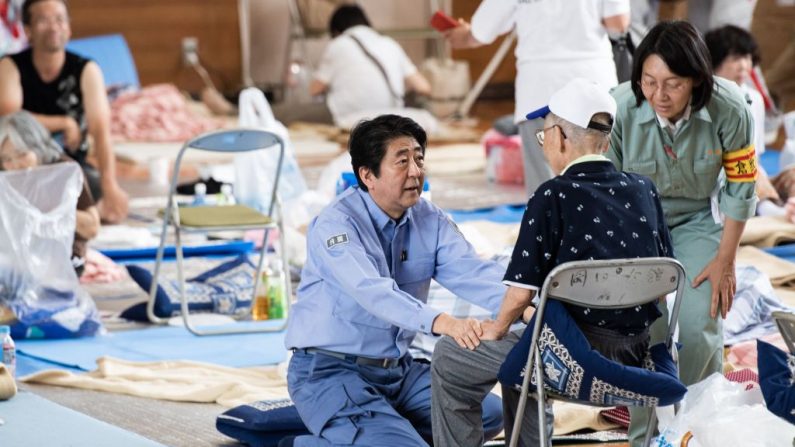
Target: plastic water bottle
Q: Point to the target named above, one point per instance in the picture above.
(260, 308)
(346, 180)
(276, 299)
(9, 350)
(199, 194)
(426, 191)
(225, 197)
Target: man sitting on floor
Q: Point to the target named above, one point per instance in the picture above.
(371, 255)
(66, 94)
(588, 211)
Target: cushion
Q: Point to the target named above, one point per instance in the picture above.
(777, 380)
(576, 371)
(221, 216)
(225, 289)
(263, 423)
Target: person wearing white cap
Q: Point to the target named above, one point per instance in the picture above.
(556, 41)
(590, 210)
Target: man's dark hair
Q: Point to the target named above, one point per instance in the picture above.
(683, 49)
(730, 40)
(346, 16)
(26, 9)
(369, 140)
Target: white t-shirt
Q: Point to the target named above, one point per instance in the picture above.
(557, 41)
(758, 113)
(354, 81)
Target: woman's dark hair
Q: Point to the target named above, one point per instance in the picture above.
(26, 16)
(730, 40)
(680, 45)
(369, 140)
(346, 16)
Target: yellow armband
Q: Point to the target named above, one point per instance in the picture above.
(740, 165)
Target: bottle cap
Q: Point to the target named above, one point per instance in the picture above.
(200, 189)
(5, 329)
(226, 189)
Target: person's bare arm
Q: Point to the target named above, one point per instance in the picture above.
(113, 205)
(418, 83)
(617, 24)
(461, 36)
(514, 304)
(87, 223)
(317, 87)
(10, 87)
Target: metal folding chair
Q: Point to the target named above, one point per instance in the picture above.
(602, 284)
(786, 325)
(218, 218)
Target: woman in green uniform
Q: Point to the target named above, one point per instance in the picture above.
(680, 126)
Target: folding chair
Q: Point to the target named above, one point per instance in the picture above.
(786, 325)
(602, 284)
(221, 218)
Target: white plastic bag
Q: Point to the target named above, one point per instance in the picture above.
(254, 171)
(37, 279)
(717, 413)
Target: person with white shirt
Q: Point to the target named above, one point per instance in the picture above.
(361, 69)
(556, 42)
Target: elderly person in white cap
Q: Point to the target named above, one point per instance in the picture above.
(25, 144)
(589, 210)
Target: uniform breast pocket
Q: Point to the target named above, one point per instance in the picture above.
(647, 168)
(706, 171)
(414, 270)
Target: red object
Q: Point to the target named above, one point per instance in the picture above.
(442, 22)
(504, 155)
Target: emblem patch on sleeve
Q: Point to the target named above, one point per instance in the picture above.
(337, 240)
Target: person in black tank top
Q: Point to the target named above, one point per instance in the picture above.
(66, 94)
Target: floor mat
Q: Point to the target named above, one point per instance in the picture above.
(161, 343)
(32, 420)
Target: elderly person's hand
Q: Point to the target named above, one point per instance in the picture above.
(721, 275)
(460, 36)
(465, 331)
(113, 206)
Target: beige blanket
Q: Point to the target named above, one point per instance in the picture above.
(182, 381)
(780, 271)
(767, 231)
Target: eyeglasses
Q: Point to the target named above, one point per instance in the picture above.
(667, 87)
(540, 134)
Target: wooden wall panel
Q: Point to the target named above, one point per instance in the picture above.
(154, 30)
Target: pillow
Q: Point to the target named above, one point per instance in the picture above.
(225, 289)
(575, 371)
(777, 380)
(263, 423)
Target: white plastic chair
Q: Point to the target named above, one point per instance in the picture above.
(602, 284)
(216, 218)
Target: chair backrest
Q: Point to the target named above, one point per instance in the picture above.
(614, 283)
(112, 55)
(786, 325)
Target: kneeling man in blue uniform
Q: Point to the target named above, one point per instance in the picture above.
(371, 256)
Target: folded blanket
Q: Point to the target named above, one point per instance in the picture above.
(767, 231)
(780, 271)
(181, 380)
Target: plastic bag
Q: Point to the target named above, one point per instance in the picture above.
(254, 170)
(37, 279)
(717, 413)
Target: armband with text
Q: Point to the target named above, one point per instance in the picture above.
(740, 165)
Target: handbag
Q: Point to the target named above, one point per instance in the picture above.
(623, 48)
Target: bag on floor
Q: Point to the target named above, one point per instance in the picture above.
(37, 280)
(254, 170)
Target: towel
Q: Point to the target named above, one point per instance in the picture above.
(179, 380)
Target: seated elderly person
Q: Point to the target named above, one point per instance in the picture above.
(24, 144)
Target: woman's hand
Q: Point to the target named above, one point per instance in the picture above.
(721, 274)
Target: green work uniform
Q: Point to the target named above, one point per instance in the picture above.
(685, 169)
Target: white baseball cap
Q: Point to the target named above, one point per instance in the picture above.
(577, 102)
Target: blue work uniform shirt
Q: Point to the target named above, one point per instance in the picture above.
(591, 211)
(365, 283)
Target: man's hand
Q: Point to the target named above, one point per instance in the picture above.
(721, 275)
(465, 332)
(113, 206)
(461, 36)
(71, 133)
(493, 330)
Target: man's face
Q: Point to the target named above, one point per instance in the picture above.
(402, 174)
(12, 159)
(736, 67)
(49, 29)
